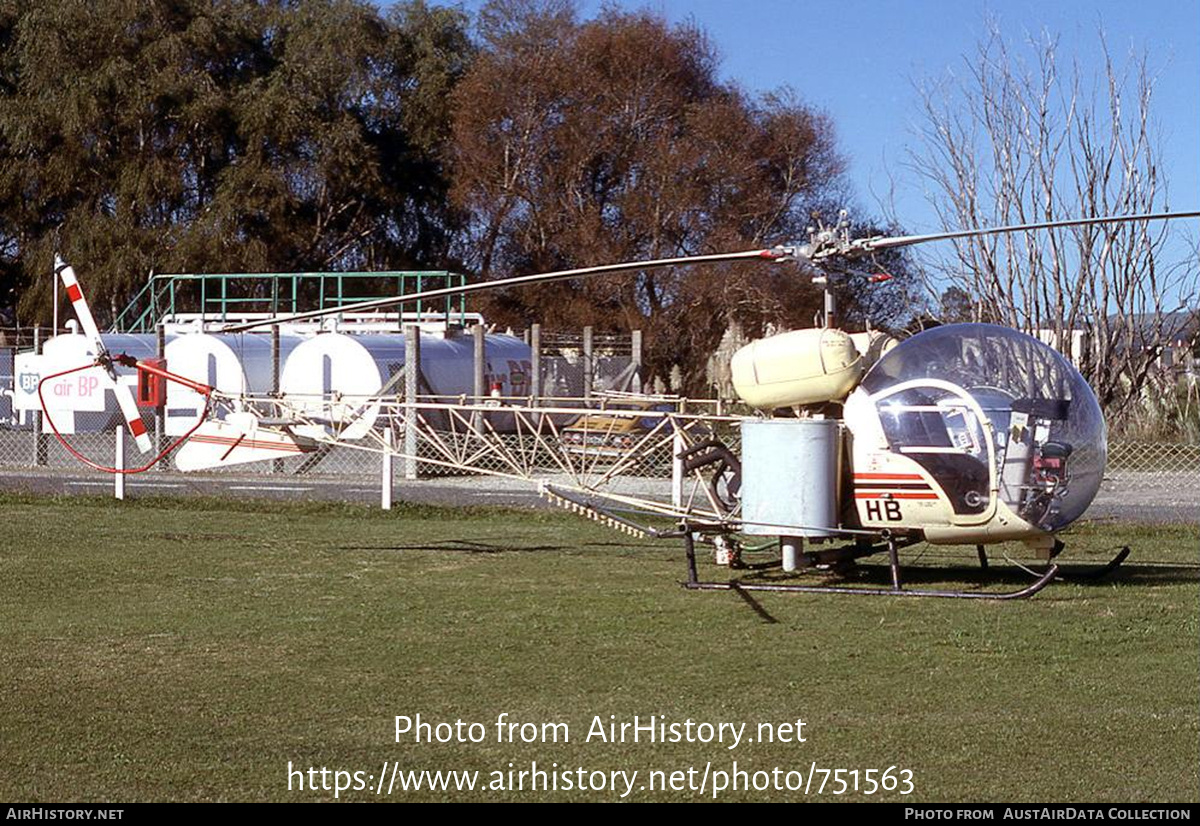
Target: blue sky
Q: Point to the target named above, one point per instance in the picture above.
(858, 59)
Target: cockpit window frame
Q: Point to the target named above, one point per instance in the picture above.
(962, 395)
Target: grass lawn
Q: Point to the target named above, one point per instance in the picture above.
(189, 650)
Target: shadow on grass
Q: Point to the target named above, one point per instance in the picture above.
(963, 577)
(487, 547)
(1155, 574)
(756, 606)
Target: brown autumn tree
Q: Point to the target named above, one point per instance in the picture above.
(614, 140)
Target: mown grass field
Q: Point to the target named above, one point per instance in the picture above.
(166, 650)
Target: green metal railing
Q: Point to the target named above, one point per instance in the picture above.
(218, 295)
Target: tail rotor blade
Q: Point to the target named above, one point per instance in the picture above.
(125, 400)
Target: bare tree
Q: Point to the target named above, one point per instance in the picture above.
(1019, 139)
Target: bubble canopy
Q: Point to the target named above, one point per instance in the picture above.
(1045, 444)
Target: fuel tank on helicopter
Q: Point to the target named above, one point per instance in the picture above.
(797, 368)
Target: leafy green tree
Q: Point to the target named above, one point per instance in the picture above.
(116, 126)
(221, 135)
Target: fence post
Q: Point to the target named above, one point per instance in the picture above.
(119, 462)
(412, 373)
(635, 357)
(276, 464)
(677, 446)
(587, 363)
(478, 390)
(39, 444)
(677, 470)
(160, 420)
(535, 367)
(477, 365)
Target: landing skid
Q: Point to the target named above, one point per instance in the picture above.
(1089, 575)
(1068, 575)
(688, 533)
(897, 590)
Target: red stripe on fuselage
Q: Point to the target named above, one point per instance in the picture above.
(252, 443)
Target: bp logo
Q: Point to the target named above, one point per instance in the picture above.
(29, 382)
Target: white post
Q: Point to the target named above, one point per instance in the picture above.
(385, 489)
(791, 548)
(119, 463)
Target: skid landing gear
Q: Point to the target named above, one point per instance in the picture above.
(1093, 574)
(897, 590)
(1096, 573)
(1066, 574)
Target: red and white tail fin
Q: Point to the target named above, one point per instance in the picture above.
(238, 440)
(124, 395)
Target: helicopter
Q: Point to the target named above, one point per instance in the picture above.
(965, 434)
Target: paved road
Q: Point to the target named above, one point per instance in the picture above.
(1149, 497)
(1115, 509)
(1143, 500)
(456, 492)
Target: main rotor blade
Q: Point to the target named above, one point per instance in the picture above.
(805, 252)
(78, 303)
(133, 416)
(871, 244)
(520, 280)
(124, 396)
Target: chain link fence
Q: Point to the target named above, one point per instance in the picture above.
(1131, 465)
(576, 366)
(1152, 469)
(1148, 465)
